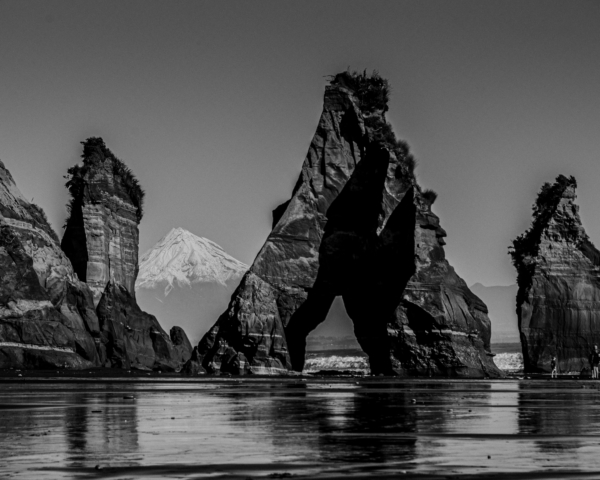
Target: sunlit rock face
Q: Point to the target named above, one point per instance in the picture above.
(47, 317)
(101, 240)
(558, 302)
(357, 226)
(102, 236)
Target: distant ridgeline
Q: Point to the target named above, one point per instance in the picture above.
(75, 307)
(558, 302)
(358, 226)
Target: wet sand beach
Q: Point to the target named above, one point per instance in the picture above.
(299, 427)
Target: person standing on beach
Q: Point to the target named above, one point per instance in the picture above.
(554, 373)
(594, 361)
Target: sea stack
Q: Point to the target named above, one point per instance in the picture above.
(558, 273)
(47, 316)
(358, 226)
(101, 239)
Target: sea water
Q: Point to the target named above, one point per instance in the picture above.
(333, 357)
(306, 427)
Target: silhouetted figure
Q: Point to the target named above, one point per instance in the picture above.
(594, 361)
(553, 365)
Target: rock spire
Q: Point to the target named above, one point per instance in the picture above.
(101, 237)
(558, 273)
(358, 226)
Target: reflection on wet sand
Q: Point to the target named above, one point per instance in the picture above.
(562, 419)
(337, 427)
(101, 430)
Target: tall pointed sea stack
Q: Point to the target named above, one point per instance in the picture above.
(558, 268)
(101, 240)
(102, 236)
(357, 226)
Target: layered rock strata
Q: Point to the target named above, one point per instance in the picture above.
(102, 237)
(101, 240)
(357, 226)
(47, 317)
(558, 268)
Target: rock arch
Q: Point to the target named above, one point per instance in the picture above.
(359, 226)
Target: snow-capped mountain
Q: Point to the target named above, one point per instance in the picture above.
(187, 280)
(182, 259)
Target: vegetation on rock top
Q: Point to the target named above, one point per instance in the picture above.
(40, 217)
(373, 94)
(430, 195)
(95, 152)
(525, 247)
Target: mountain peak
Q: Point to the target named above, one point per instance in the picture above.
(182, 258)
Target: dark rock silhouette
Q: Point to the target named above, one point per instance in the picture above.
(132, 338)
(357, 226)
(194, 365)
(558, 267)
(181, 343)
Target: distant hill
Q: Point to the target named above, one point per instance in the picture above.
(188, 281)
(501, 302)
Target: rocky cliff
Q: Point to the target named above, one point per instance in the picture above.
(101, 240)
(101, 236)
(558, 273)
(358, 226)
(134, 339)
(47, 317)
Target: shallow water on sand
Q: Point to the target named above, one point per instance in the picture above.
(273, 428)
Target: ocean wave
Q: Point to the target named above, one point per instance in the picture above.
(337, 362)
(509, 361)
(504, 361)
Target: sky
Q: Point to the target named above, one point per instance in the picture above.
(213, 106)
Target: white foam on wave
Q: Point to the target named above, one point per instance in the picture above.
(509, 361)
(504, 361)
(337, 362)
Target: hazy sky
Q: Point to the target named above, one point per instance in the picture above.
(213, 105)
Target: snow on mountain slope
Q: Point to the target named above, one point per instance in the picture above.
(182, 259)
(187, 280)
